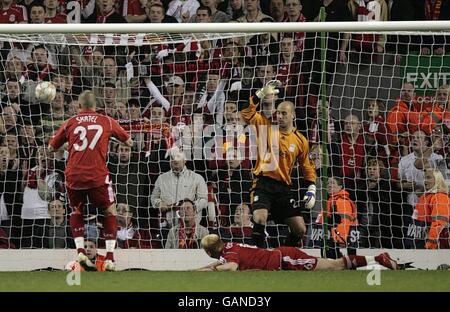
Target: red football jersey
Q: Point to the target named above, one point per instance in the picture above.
(251, 257)
(57, 19)
(12, 15)
(88, 135)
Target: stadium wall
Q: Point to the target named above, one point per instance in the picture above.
(182, 260)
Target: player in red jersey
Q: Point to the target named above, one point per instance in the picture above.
(235, 256)
(87, 175)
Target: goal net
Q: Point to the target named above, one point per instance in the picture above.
(373, 107)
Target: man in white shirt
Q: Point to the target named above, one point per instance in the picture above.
(183, 10)
(411, 169)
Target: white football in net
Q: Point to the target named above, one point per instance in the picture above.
(45, 92)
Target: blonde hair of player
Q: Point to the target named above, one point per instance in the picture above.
(439, 182)
(87, 99)
(213, 245)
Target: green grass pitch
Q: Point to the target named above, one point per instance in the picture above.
(227, 281)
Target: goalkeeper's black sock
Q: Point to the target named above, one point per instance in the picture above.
(259, 235)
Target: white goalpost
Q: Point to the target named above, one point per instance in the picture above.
(180, 86)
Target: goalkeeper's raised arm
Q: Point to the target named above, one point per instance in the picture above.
(280, 147)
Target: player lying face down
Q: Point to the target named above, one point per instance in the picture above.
(235, 256)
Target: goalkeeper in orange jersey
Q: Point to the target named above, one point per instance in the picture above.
(280, 147)
(97, 261)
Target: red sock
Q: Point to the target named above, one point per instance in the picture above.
(77, 226)
(353, 262)
(110, 227)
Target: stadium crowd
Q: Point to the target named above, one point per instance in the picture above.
(189, 172)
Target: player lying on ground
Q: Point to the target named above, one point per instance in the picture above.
(95, 258)
(234, 256)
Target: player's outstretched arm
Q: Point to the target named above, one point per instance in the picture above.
(217, 266)
(210, 267)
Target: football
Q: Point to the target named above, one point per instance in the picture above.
(45, 92)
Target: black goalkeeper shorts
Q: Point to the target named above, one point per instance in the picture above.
(276, 197)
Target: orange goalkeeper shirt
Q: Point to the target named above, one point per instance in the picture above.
(278, 151)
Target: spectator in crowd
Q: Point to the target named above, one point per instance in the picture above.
(39, 69)
(14, 69)
(236, 9)
(51, 121)
(89, 62)
(265, 44)
(294, 15)
(12, 142)
(253, 13)
(183, 11)
(342, 220)
(188, 233)
(131, 180)
(13, 95)
(437, 113)
(241, 228)
(58, 230)
(336, 11)
(37, 13)
(105, 13)
(129, 234)
(411, 167)
(28, 146)
(216, 15)
(348, 154)
(72, 108)
(10, 118)
(98, 260)
(11, 13)
(277, 10)
(432, 10)
(400, 10)
(158, 142)
(233, 180)
(156, 13)
(429, 224)
(134, 10)
(173, 99)
(289, 73)
(120, 111)
(203, 15)
(42, 185)
(385, 209)
(366, 45)
(51, 13)
(212, 101)
(11, 196)
(397, 120)
(176, 185)
(374, 128)
(115, 80)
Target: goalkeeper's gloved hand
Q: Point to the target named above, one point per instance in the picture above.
(310, 197)
(270, 88)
